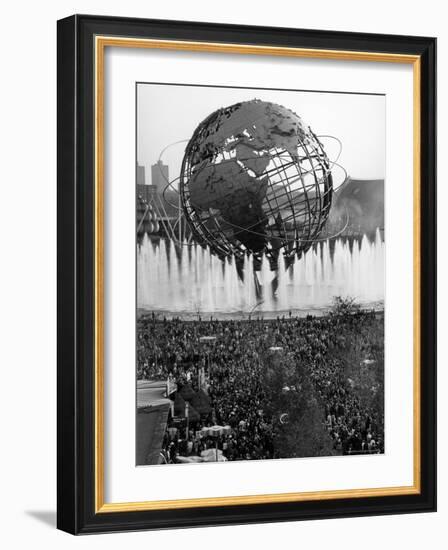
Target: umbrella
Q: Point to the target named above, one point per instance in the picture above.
(215, 431)
(213, 455)
(207, 339)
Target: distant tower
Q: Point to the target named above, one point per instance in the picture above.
(140, 175)
(159, 176)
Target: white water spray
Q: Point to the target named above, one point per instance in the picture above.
(192, 280)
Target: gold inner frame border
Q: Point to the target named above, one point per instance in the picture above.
(100, 44)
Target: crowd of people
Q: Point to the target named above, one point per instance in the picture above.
(233, 361)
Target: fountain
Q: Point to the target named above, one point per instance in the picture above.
(189, 279)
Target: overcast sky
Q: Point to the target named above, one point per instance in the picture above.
(169, 113)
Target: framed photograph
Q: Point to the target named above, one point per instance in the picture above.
(246, 274)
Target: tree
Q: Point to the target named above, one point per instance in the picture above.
(296, 415)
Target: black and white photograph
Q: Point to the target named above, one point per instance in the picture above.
(260, 247)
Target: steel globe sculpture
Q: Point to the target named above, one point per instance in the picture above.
(255, 178)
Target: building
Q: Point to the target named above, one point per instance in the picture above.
(158, 208)
(159, 176)
(152, 415)
(146, 192)
(362, 202)
(140, 175)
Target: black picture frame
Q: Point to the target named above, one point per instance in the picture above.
(76, 259)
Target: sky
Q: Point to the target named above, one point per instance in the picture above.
(167, 114)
